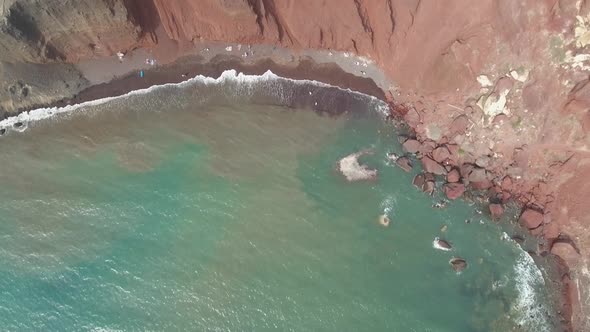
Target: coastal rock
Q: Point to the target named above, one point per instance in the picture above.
(432, 166)
(411, 146)
(424, 182)
(453, 176)
(441, 244)
(477, 175)
(531, 219)
(454, 190)
(384, 220)
(496, 210)
(458, 264)
(352, 170)
(440, 154)
(565, 251)
(482, 185)
(404, 163)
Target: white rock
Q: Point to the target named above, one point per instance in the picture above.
(484, 81)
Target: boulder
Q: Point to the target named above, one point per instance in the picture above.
(482, 185)
(458, 264)
(507, 183)
(477, 175)
(453, 176)
(454, 190)
(411, 146)
(531, 219)
(441, 154)
(432, 166)
(441, 244)
(404, 163)
(496, 210)
(566, 251)
(466, 169)
(424, 182)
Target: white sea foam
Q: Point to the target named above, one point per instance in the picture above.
(529, 308)
(388, 204)
(25, 118)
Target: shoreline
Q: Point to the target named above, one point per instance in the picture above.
(304, 67)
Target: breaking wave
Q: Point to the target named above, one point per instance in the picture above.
(289, 92)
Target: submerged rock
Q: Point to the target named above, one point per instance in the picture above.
(384, 220)
(352, 170)
(404, 163)
(424, 182)
(441, 244)
(458, 264)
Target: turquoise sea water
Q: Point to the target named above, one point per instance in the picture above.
(214, 207)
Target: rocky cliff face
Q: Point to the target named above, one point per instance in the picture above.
(501, 85)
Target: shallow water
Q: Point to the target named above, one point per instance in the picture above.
(213, 207)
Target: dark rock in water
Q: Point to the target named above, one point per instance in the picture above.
(458, 264)
(432, 166)
(404, 163)
(424, 182)
(454, 190)
(531, 219)
(496, 210)
(18, 124)
(411, 146)
(441, 244)
(429, 187)
(2, 131)
(419, 181)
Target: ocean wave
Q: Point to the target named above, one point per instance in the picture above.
(243, 83)
(529, 309)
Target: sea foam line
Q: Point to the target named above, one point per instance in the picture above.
(231, 75)
(528, 277)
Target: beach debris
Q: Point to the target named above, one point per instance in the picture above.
(206, 49)
(239, 47)
(229, 48)
(363, 73)
(120, 55)
(384, 220)
(458, 264)
(444, 228)
(352, 170)
(441, 244)
(141, 73)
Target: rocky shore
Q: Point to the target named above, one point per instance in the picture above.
(495, 94)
